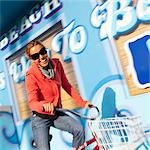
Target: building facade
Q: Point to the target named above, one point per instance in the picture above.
(104, 47)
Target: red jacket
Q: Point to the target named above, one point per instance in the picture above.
(41, 90)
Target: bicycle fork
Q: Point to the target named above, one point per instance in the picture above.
(97, 147)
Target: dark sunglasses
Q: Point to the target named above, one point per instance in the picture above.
(37, 55)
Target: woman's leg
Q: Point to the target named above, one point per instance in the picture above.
(40, 128)
(69, 124)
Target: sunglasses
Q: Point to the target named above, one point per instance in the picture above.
(37, 55)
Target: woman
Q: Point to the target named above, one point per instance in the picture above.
(44, 80)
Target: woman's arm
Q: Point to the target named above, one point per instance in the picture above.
(33, 94)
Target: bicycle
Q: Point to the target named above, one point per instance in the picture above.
(116, 133)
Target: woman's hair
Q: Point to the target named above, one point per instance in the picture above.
(30, 45)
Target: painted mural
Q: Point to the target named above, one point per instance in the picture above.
(110, 59)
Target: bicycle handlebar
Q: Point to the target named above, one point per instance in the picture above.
(80, 115)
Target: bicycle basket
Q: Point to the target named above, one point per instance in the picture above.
(118, 133)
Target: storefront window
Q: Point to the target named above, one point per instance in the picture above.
(18, 64)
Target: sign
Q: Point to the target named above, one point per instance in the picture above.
(134, 54)
(138, 51)
(118, 17)
(36, 15)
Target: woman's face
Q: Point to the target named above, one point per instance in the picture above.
(38, 50)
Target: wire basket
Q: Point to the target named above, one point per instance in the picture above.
(119, 133)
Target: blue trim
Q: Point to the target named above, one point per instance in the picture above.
(13, 138)
(104, 81)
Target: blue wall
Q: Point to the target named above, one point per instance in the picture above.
(97, 68)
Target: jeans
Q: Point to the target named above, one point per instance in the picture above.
(40, 128)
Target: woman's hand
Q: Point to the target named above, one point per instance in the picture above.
(49, 107)
(88, 105)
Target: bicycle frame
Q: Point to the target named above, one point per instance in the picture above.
(123, 127)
